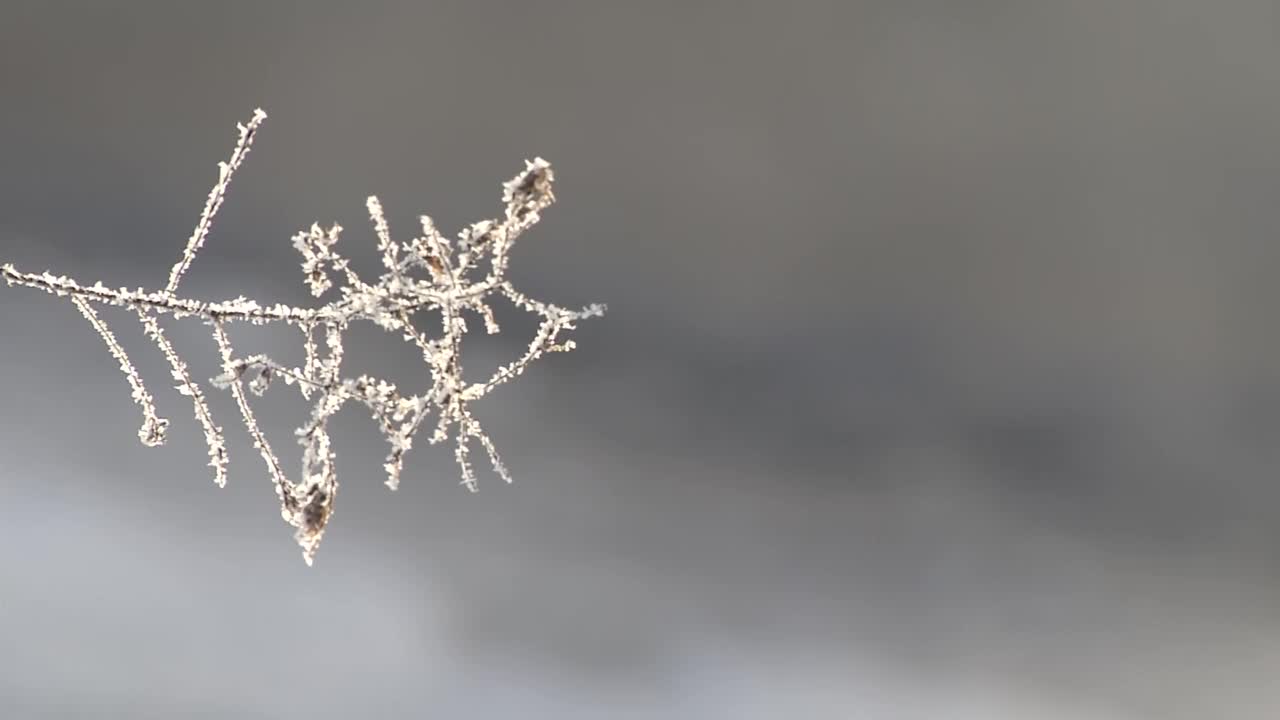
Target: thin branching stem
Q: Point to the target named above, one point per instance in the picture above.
(429, 272)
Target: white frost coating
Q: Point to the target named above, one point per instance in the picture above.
(187, 386)
(429, 273)
(152, 432)
(214, 203)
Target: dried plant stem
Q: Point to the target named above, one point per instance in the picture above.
(152, 432)
(429, 272)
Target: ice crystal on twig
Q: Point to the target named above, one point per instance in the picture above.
(427, 274)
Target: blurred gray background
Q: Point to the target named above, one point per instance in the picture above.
(940, 377)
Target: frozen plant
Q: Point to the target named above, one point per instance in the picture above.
(454, 278)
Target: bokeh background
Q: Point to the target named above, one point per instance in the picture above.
(940, 377)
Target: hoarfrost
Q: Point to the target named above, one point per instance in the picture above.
(427, 273)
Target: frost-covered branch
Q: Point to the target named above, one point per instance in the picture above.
(152, 432)
(428, 273)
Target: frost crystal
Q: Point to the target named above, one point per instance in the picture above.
(426, 274)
